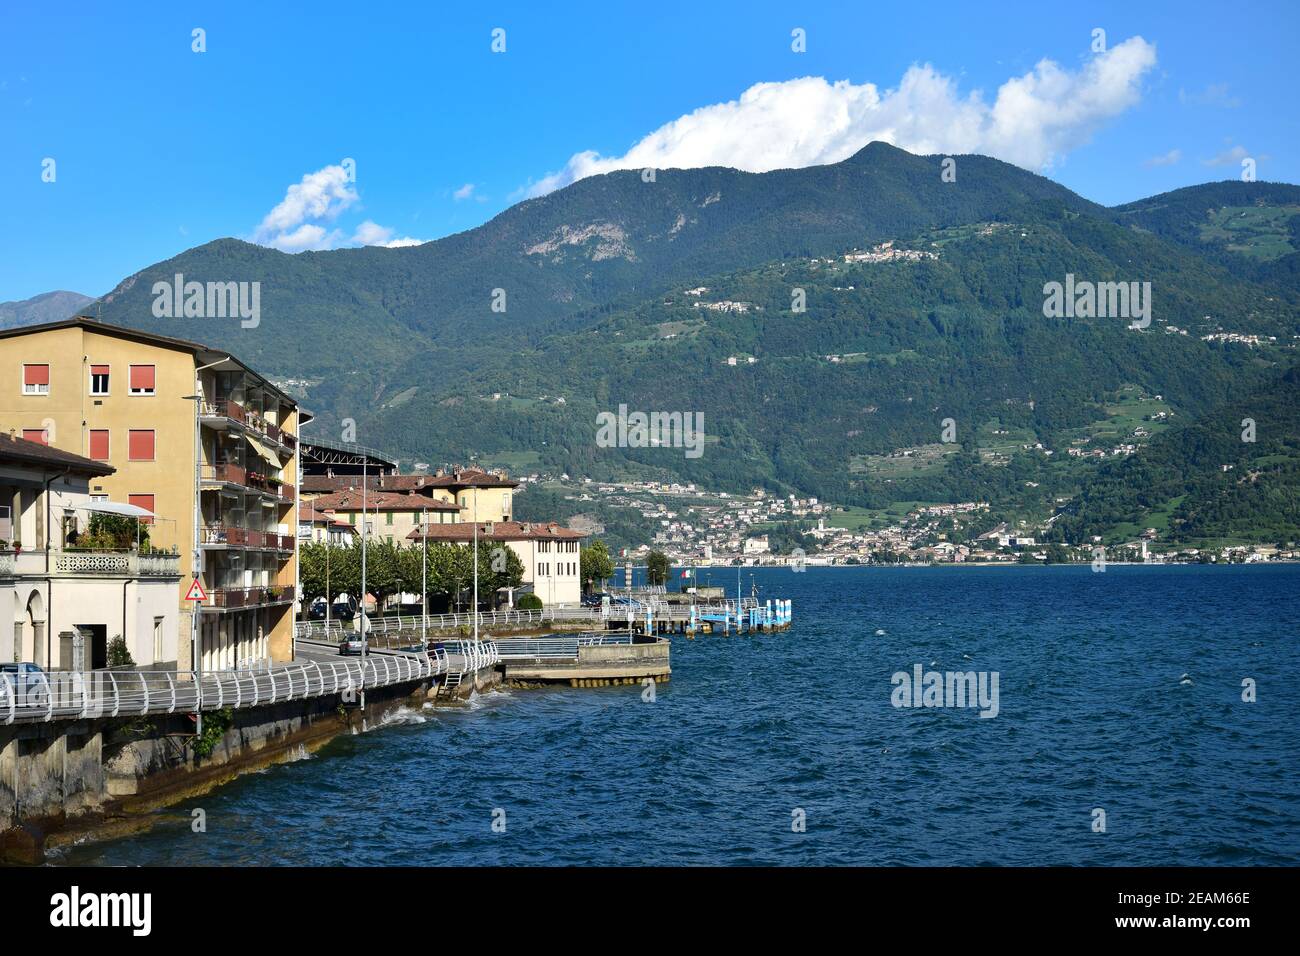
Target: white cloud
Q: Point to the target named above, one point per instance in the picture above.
(1166, 159)
(465, 192)
(1034, 121)
(1229, 157)
(320, 195)
(372, 234)
(1215, 94)
(295, 225)
(308, 236)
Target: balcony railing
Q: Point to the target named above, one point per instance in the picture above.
(230, 473)
(249, 418)
(273, 486)
(250, 597)
(224, 408)
(126, 564)
(234, 474)
(245, 538)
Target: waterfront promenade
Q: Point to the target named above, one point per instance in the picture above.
(318, 672)
(649, 614)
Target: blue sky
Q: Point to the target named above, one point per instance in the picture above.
(158, 148)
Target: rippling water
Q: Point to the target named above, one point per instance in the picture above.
(1119, 691)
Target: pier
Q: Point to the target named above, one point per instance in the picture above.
(585, 660)
(649, 613)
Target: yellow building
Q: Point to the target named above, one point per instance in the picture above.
(389, 516)
(461, 494)
(135, 400)
(481, 495)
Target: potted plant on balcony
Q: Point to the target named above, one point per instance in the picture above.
(275, 592)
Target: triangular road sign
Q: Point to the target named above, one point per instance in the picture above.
(195, 593)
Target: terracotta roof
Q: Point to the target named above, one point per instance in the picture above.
(376, 501)
(499, 531)
(22, 451)
(405, 483)
(471, 478)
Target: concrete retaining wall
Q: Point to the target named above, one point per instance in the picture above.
(68, 780)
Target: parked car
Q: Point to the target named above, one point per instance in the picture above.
(316, 612)
(343, 611)
(593, 600)
(352, 644)
(28, 682)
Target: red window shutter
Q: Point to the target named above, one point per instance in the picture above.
(35, 434)
(99, 444)
(99, 370)
(140, 445)
(36, 375)
(142, 377)
(142, 501)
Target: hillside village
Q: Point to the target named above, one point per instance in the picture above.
(699, 526)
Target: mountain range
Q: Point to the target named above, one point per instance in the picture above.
(827, 322)
(46, 307)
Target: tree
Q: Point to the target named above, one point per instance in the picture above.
(597, 565)
(499, 567)
(529, 602)
(657, 567)
(119, 655)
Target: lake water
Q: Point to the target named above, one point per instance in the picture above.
(1119, 691)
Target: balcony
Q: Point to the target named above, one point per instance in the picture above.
(270, 486)
(224, 412)
(219, 536)
(230, 474)
(233, 599)
(96, 564)
(233, 474)
(223, 409)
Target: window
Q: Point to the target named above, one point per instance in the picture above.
(99, 444)
(388, 518)
(142, 380)
(36, 380)
(99, 380)
(139, 445)
(158, 639)
(35, 434)
(142, 501)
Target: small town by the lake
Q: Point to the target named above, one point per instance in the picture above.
(671, 448)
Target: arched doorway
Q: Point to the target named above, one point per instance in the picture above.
(32, 640)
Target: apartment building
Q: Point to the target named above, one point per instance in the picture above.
(551, 555)
(198, 439)
(60, 604)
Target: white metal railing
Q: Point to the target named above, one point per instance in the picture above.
(437, 622)
(470, 656)
(72, 695)
(315, 630)
(554, 648)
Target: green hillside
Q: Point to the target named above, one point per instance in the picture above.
(680, 295)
